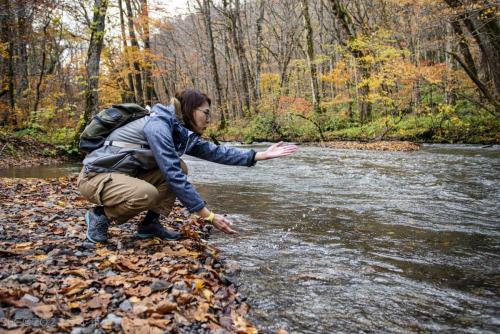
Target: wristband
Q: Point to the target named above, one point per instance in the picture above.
(211, 217)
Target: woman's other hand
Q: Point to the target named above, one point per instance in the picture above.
(223, 224)
(277, 150)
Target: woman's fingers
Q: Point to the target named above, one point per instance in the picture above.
(224, 224)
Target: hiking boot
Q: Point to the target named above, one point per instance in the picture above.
(97, 225)
(153, 228)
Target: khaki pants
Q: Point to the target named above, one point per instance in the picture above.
(124, 196)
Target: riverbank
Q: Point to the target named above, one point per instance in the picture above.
(28, 151)
(52, 280)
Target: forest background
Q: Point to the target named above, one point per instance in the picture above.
(421, 70)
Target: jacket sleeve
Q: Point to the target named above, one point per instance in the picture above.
(221, 154)
(159, 136)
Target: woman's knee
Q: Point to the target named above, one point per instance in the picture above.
(143, 198)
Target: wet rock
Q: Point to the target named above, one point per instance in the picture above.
(159, 285)
(26, 279)
(23, 314)
(126, 306)
(111, 321)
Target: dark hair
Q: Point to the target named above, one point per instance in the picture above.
(189, 100)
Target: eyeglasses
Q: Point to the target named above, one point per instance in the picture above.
(206, 112)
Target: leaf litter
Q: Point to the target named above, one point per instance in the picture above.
(53, 280)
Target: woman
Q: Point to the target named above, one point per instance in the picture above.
(139, 168)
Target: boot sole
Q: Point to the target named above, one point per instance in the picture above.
(87, 221)
(148, 236)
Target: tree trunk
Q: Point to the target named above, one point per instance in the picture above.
(205, 8)
(310, 56)
(150, 95)
(135, 46)
(92, 64)
(240, 51)
(258, 56)
(129, 95)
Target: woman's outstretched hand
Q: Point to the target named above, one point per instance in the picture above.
(276, 151)
(223, 224)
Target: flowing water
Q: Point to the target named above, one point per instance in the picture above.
(361, 241)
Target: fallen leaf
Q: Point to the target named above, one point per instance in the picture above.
(44, 311)
(70, 323)
(100, 301)
(82, 272)
(138, 326)
(166, 307)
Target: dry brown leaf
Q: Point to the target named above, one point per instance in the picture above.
(23, 245)
(44, 311)
(82, 272)
(74, 286)
(161, 323)
(115, 280)
(69, 323)
(141, 291)
(201, 313)
(100, 301)
(281, 331)
(166, 307)
(138, 326)
(184, 298)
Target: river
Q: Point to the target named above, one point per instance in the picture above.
(362, 241)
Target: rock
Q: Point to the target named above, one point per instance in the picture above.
(79, 254)
(30, 299)
(111, 321)
(77, 330)
(126, 306)
(47, 248)
(88, 245)
(159, 285)
(23, 314)
(26, 279)
(54, 252)
(54, 217)
(2, 313)
(217, 265)
(110, 273)
(49, 262)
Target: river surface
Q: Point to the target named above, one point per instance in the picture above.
(345, 241)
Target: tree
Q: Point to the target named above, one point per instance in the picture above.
(92, 64)
(310, 56)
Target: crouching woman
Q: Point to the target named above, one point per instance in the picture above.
(139, 168)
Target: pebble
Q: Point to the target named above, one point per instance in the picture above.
(180, 285)
(26, 279)
(23, 314)
(88, 245)
(54, 217)
(113, 319)
(77, 330)
(126, 306)
(47, 248)
(30, 299)
(110, 273)
(79, 254)
(49, 262)
(159, 285)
